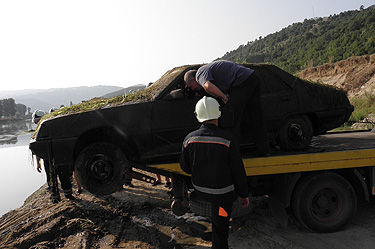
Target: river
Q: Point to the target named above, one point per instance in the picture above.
(18, 178)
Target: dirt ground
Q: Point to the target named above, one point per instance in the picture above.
(140, 217)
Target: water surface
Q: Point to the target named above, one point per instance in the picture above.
(18, 178)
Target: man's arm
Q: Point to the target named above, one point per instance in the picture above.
(238, 171)
(185, 161)
(215, 91)
(239, 175)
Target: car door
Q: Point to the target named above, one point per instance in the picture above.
(278, 97)
(172, 119)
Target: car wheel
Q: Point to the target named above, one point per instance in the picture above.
(324, 202)
(101, 168)
(295, 133)
(203, 208)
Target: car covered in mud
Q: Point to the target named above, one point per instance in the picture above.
(101, 139)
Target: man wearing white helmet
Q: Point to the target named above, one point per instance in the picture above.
(239, 86)
(52, 172)
(211, 155)
(37, 116)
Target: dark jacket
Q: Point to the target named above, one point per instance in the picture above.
(211, 155)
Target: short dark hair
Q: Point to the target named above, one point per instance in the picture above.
(189, 76)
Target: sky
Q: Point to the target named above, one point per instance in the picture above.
(57, 44)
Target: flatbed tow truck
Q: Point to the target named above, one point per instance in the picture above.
(320, 185)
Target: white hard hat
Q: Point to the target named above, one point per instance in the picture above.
(207, 108)
(52, 109)
(37, 115)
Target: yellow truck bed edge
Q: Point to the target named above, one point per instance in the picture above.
(297, 163)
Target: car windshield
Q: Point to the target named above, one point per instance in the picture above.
(161, 84)
(144, 95)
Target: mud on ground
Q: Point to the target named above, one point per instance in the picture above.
(140, 217)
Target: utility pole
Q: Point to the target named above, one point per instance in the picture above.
(313, 12)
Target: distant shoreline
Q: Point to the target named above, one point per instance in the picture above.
(12, 119)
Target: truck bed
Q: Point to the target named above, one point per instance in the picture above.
(340, 141)
(329, 151)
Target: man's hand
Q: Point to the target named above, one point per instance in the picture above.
(215, 91)
(244, 202)
(226, 98)
(38, 166)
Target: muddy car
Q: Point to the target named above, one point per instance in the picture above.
(103, 142)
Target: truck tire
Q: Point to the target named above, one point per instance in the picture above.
(101, 168)
(203, 208)
(295, 133)
(324, 202)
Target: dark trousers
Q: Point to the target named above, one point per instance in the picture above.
(48, 173)
(245, 100)
(65, 176)
(220, 224)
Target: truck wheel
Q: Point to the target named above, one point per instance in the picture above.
(203, 208)
(295, 133)
(324, 202)
(100, 168)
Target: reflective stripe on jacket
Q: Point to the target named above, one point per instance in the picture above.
(214, 140)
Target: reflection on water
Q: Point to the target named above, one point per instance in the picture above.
(18, 178)
(10, 130)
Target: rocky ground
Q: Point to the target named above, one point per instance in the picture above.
(140, 217)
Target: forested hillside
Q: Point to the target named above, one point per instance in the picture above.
(313, 42)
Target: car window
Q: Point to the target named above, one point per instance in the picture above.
(171, 83)
(271, 82)
(164, 81)
(175, 87)
(179, 91)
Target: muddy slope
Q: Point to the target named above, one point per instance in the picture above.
(140, 217)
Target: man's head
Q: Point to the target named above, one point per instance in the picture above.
(191, 81)
(207, 109)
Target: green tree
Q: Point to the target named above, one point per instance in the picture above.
(9, 107)
(21, 109)
(1, 109)
(313, 42)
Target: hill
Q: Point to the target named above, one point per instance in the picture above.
(355, 75)
(129, 90)
(313, 42)
(44, 99)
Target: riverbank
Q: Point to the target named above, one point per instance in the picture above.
(140, 217)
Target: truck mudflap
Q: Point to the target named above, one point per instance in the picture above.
(180, 204)
(372, 180)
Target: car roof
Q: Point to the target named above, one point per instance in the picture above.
(158, 88)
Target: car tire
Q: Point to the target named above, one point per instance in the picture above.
(295, 133)
(101, 168)
(324, 202)
(203, 208)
